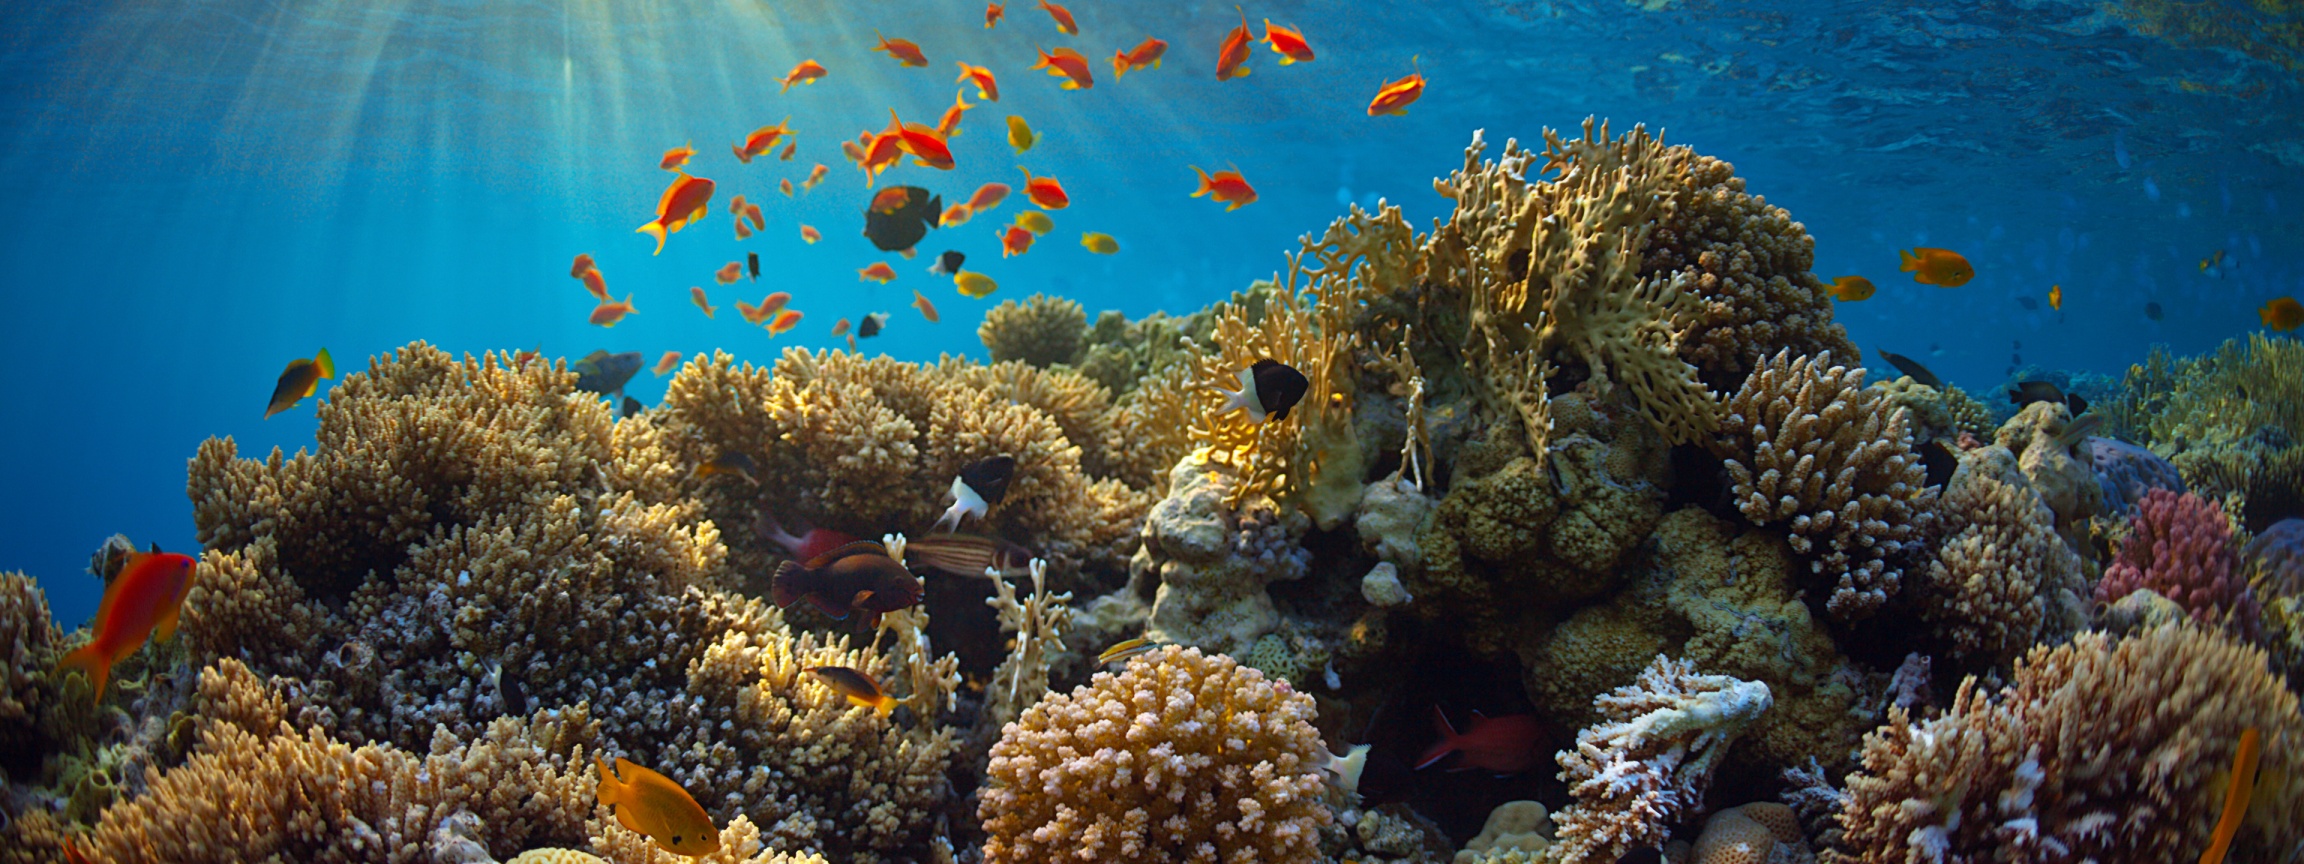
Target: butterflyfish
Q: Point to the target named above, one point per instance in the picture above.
(141, 602)
(300, 379)
(649, 803)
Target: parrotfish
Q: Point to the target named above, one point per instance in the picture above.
(141, 602)
(979, 488)
(858, 577)
(650, 803)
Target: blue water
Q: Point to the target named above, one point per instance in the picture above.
(198, 192)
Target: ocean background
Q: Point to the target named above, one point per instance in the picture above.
(198, 192)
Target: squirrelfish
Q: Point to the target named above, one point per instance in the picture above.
(1067, 64)
(927, 309)
(1287, 42)
(987, 87)
(1267, 391)
(1045, 191)
(1019, 134)
(649, 803)
(2282, 314)
(1943, 268)
(1063, 16)
(684, 201)
(805, 73)
(142, 601)
(858, 577)
(969, 283)
(1233, 54)
(697, 294)
(1226, 187)
(677, 157)
(879, 272)
(300, 379)
(1394, 96)
(1099, 243)
(761, 140)
(1014, 241)
(1505, 745)
(979, 488)
(667, 363)
(858, 688)
(1849, 289)
(1146, 53)
(784, 322)
(607, 314)
(903, 50)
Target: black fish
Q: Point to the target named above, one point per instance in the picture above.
(1267, 391)
(2028, 303)
(895, 232)
(870, 326)
(2028, 392)
(631, 406)
(947, 264)
(752, 263)
(1908, 366)
(858, 576)
(977, 490)
(2152, 311)
(1939, 461)
(605, 373)
(509, 695)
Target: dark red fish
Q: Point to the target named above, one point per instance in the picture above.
(858, 577)
(1505, 745)
(965, 554)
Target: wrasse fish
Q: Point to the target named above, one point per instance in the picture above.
(1014, 241)
(1226, 187)
(684, 201)
(300, 379)
(1287, 42)
(141, 602)
(1267, 391)
(1849, 289)
(1394, 97)
(2056, 297)
(729, 273)
(666, 363)
(607, 314)
(761, 140)
(733, 462)
(1506, 745)
(903, 50)
(582, 265)
(2245, 761)
(2282, 314)
(858, 688)
(955, 215)
(879, 272)
(815, 176)
(949, 124)
(1943, 268)
(805, 73)
(975, 285)
(857, 577)
(1101, 244)
(1067, 64)
(810, 234)
(927, 309)
(649, 803)
(1146, 53)
(987, 87)
(979, 488)
(784, 322)
(1063, 16)
(1036, 222)
(987, 197)
(1125, 649)
(992, 13)
(965, 554)
(697, 294)
(1019, 134)
(1044, 191)
(1233, 54)
(677, 157)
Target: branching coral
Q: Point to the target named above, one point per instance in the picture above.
(2098, 750)
(1814, 450)
(1936, 415)
(1042, 331)
(1649, 761)
(1038, 620)
(2182, 547)
(2232, 422)
(1279, 458)
(2002, 578)
(1180, 757)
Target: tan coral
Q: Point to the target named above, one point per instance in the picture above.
(1756, 833)
(1042, 331)
(2002, 578)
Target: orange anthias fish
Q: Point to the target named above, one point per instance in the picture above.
(769, 305)
(1014, 241)
(879, 272)
(684, 201)
(607, 314)
(1227, 187)
(743, 229)
(927, 309)
(955, 216)
(903, 50)
(2282, 314)
(891, 199)
(785, 185)
(858, 688)
(141, 602)
(886, 149)
(651, 804)
(1287, 42)
(667, 363)
(1063, 16)
(697, 294)
(841, 328)
(1232, 57)
(992, 13)
(784, 322)
(2246, 759)
(927, 146)
(809, 234)
(761, 140)
(1943, 268)
(1146, 53)
(1045, 191)
(789, 149)
(815, 176)
(302, 378)
(1395, 96)
(677, 157)
(987, 197)
(854, 151)
(805, 73)
(596, 285)
(987, 87)
(728, 275)
(949, 125)
(583, 263)
(1066, 63)
(1505, 745)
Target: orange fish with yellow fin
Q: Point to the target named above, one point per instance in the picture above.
(684, 202)
(141, 602)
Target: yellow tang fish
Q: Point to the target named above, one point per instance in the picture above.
(1101, 244)
(650, 803)
(1943, 268)
(1019, 135)
(1849, 289)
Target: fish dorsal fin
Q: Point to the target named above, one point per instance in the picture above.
(859, 547)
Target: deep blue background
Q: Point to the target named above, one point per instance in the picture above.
(198, 192)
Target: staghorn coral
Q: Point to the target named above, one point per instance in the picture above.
(1211, 562)
(1042, 331)
(1183, 756)
(2182, 547)
(2001, 579)
(1814, 450)
(2096, 750)
(1649, 761)
(1038, 620)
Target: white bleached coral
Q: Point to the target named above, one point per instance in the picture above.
(1648, 761)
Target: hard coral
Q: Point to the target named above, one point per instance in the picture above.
(1181, 757)
(1042, 331)
(1649, 762)
(2001, 578)
(2182, 547)
(1211, 562)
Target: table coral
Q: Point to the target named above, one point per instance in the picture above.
(2182, 547)
(2096, 750)
(1649, 761)
(1042, 331)
(2001, 579)
(1182, 756)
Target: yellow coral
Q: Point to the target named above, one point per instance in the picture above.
(1042, 331)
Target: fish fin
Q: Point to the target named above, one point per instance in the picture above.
(165, 628)
(1156, 62)
(90, 662)
(653, 229)
(1286, 60)
(1906, 261)
(784, 590)
(884, 705)
(326, 363)
(1206, 183)
(1446, 745)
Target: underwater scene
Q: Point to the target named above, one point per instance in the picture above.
(1449, 432)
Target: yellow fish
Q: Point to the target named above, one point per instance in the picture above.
(2056, 297)
(650, 803)
(975, 285)
(1101, 244)
(1849, 289)
(1943, 268)
(1019, 135)
(858, 688)
(1125, 649)
(300, 379)
(1035, 221)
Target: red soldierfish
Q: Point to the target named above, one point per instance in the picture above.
(1506, 745)
(142, 601)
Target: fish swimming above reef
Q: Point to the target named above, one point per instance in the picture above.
(1099, 243)
(1126, 648)
(141, 602)
(905, 51)
(969, 283)
(979, 488)
(871, 325)
(947, 264)
(300, 379)
(987, 86)
(2152, 311)
(805, 73)
(2282, 314)
(902, 227)
(965, 554)
(1920, 374)
(604, 373)
(1850, 289)
(1942, 268)
(607, 314)
(1047, 193)
(649, 803)
(1146, 53)
(1063, 16)
(752, 264)
(879, 272)
(733, 462)
(1225, 187)
(927, 309)
(1036, 222)
(1394, 97)
(857, 577)
(632, 407)
(1015, 240)
(685, 201)
(677, 157)
(1019, 134)
(1067, 64)
(2028, 392)
(858, 688)
(1267, 391)
(761, 141)
(1505, 745)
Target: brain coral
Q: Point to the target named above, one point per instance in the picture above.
(1183, 756)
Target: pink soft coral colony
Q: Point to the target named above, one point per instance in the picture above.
(2182, 548)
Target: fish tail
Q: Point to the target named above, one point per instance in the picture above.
(326, 363)
(1906, 261)
(92, 662)
(1119, 64)
(656, 230)
(883, 705)
(1207, 184)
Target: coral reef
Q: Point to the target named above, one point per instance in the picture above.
(2182, 547)
(2232, 422)
(1183, 756)
(1516, 831)
(1211, 562)
(2002, 579)
(1649, 761)
(1042, 331)
(2127, 471)
(1936, 415)
(1756, 833)
(2054, 461)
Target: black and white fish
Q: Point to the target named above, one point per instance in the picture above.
(1267, 391)
(977, 490)
(871, 324)
(947, 264)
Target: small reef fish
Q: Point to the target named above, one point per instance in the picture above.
(729, 273)
(965, 554)
(1943, 268)
(785, 186)
(2245, 760)
(805, 73)
(761, 140)
(1287, 42)
(1938, 462)
(2056, 297)
(732, 463)
(1063, 16)
(1146, 53)
(604, 373)
(1036, 222)
(979, 488)
(840, 328)
(1232, 56)
(1126, 648)
(607, 314)
(2282, 314)
(992, 13)
(1226, 187)
(684, 201)
(949, 124)
(948, 264)
(743, 229)
(815, 543)
(1505, 745)
(904, 50)
(752, 265)
(1044, 192)
(904, 227)
(879, 272)
(892, 199)
(784, 322)
(666, 363)
(1919, 374)
(141, 602)
(786, 156)
(987, 196)
(595, 285)
(1267, 391)
(1101, 244)
(677, 157)
(631, 407)
(1015, 240)
(856, 577)
(753, 315)
(884, 151)
(853, 150)
(815, 176)
(1394, 97)
(300, 379)
(649, 803)
(2028, 392)
(1019, 134)
(971, 284)
(1849, 289)
(1067, 64)
(871, 325)
(525, 356)
(987, 86)
(809, 234)
(927, 309)
(2211, 265)
(858, 688)
(582, 265)
(737, 205)
(2152, 311)
(954, 216)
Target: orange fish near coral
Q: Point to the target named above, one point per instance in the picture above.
(1146, 53)
(1849, 289)
(927, 309)
(815, 176)
(1068, 64)
(607, 314)
(1063, 16)
(301, 379)
(2245, 762)
(2282, 314)
(810, 235)
(949, 125)
(1505, 745)
(987, 87)
(1232, 56)
(858, 688)
(992, 13)
(1943, 268)
(1287, 42)
(1227, 187)
(841, 328)
(879, 272)
(684, 201)
(858, 577)
(141, 602)
(761, 140)
(1015, 241)
(903, 50)
(1394, 97)
(987, 197)
(677, 157)
(784, 322)
(805, 73)
(1045, 191)
(769, 305)
(651, 804)
(697, 294)
(667, 363)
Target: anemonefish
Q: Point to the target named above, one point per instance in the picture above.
(927, 146)
(595, 285)
(992, 13)
(1231, 56)
(667, 363)
(987, 197)
(1036, 222)
(858, 688)
(684, 201)
(733, 462)
(1394, 96)
(949, 124)
(784, 322)
(1267, 391)
(761, 140)
(927, 309)
(857, 577)
(1849, 289)
(1045, 191)
(815, 176)
(300, 379)
(1943, 268)
(955, 216)
(968, 283)
(1226, 187)
(879, 272)
(1287, 42)
(697, 294)
(649, 803)
(987, 87)
(979, 488)
(142, 601)
(1099, 243)
(2056, 297)
(810, 234)
(903, 50)
(1068, 64)
(729, 273)
(1014, 241)
(677, 157)
(2282, 314)
(1063, 16)
(1146, 53)
(805, 73)
(1505, 745)
(607, 314)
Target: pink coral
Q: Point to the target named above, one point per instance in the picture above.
(2182, 548)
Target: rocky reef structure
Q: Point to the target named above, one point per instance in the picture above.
(2002, 578)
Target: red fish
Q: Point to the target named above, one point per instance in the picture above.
(805, 73)
(1066, 63)
(607, 314)
(684, 201)
(785, 185)
(817, 541)
(1288, 42)
(1014, 240)
(596, 285)
(786, 156)
(1227, 187)
(987, 87)
(955, 216)
(1045, 191)
(853, 150)
(858, 577)
(1146, 53)
(1063, 16)
(769, 305)
(784, 321)
(885, 149)
(987, 197)
(949, 125)
(141, 602)
(840, 329)
(992, 13)
(1394, 97)
(1505, 745)
(667, 363)
(1231, 57)
(810, 234)
(758, 221)
(926, 145)
(677, 157)
(583, 263)
(697, 294)
(903, 50)
(761, 140)
(879, 272)
(729, 274)
(927, 309)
